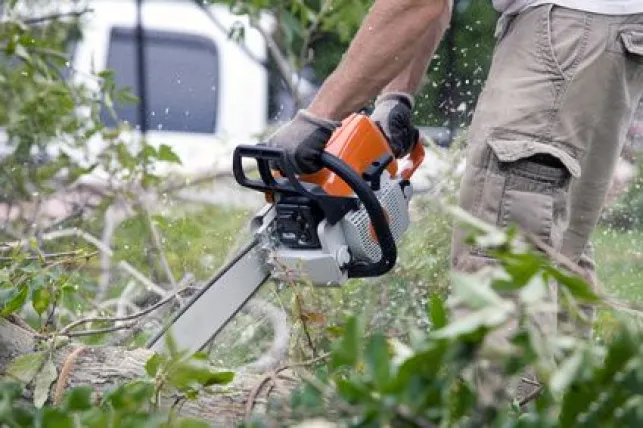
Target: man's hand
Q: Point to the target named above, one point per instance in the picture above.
(304, 139)
(393, 114)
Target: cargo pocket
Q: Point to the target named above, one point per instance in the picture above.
(633, 44)
(535, 193)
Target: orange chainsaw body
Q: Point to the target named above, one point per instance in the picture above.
(359, 143)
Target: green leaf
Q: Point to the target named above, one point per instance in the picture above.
(566, 373)
(352, 392)
(55, 418)
(44, 379)
(130, 397)
(167, 154)
(124, 157)
(487, 318)
(40, 299)
(474, 290)
(577, 286)
(25, 367)
(346, 350)
(153, 364)
(13, 299)
(125, 96)
(535, 291)
(378, 360)
(190, 374)
(437, 312)
(78, 399)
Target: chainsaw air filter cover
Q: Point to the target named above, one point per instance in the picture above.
(359, 233)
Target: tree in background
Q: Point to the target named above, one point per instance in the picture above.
(319, 35)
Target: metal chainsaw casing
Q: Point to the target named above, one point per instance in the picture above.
(360, 144)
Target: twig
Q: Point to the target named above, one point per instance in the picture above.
(298, 303)
(303, 53)
(130, 317)
(574, 268)
(23, 324)
(56, 224)
(156, 239)
(101, 330)
(531, 396)
(281, 335)
(55, 16)
(65, 372)
(78, 233)
(198, 180)
(531, 382)
(406, 414)
(252, 397)
(114, 215)
(50, 256)
(280, 60)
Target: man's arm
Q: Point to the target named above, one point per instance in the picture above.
(391, 49)
(409, 80)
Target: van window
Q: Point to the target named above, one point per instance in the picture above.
(181, 74)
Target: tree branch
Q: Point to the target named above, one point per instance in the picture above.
(56, 16)
(65, 330)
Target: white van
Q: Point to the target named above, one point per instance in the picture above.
(205, 92)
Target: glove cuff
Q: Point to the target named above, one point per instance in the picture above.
(402, 97)
(328, 124)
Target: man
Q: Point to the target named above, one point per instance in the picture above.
(549, 125)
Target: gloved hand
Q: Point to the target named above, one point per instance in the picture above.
(393, 114)
(304, 139)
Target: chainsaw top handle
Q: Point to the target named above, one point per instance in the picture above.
(334, 207)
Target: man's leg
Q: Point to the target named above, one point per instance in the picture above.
(560, 92)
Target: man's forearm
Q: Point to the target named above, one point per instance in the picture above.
(387, 44)
(410, 78)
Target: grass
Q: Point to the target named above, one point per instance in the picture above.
(619, 257)
(199, 242)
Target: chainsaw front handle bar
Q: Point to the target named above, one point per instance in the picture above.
(334, 207)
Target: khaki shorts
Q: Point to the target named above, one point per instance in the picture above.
(550, 125)
(547, 134)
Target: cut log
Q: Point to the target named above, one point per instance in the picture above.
(105, 367)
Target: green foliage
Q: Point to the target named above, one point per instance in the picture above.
(130, 404)
(39, 280)
(48, 119)
(430, 379)
(459, 68)
(301, 22)
(127, 405)
(627, 212)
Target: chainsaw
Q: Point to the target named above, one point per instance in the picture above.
(342, 222)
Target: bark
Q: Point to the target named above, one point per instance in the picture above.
(104, 367)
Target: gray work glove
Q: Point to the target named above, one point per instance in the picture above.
(304, 139)
(393, 113)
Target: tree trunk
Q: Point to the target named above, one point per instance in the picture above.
(104, 367)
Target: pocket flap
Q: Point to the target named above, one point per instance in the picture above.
(633, 41)
(514, 150)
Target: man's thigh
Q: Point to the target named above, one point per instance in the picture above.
(558, 99)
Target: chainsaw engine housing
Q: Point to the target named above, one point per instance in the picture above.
(342, 222)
